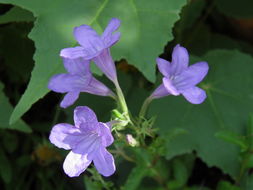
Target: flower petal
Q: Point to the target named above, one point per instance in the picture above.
(112, 26)
(69, 99)
(73, 53)
(88, 39)
(65, 136)
(89, 144)
(180, 60)
(106, 64)
(191, 76)
(75, 164)
(98, 88)
(68, 82)
(77, 66)
(104, 162)
(105, 133)
(89, 127)
(113, 39)
(159, 92)
(108, 37)
(194, 95)
(83, 114)
(164, 66)
(170, 87)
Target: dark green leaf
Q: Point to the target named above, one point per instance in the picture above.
(247, 182)
(250, 131)
(5, 112)
(17, 51)
(10, 141)
(16, 14)
(224, 185)
(135, 177)
(180, 174)
(5, 169)
(90, 185)
(237, 9)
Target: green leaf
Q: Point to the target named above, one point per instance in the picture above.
(135, 177)
(224, 185)
(229, 100)
(190, 13)
(250, 131)
(247, 182)
(16, 14)
(143, 168)
(234, 138)
(201, 39)
(13, 38)
(5, 112)
(146, 26)
(5, 169)
(9, 141)
(237, 9)
(90, 185)
(180, 175)
(188, 17)
(196, 188)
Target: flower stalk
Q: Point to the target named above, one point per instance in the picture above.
(122, 101)
(144, 107)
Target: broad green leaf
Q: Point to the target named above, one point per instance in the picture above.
(230, 98)
(5, 169)
(237, 9)
(5, 112)
(146, 26)
(16, 14)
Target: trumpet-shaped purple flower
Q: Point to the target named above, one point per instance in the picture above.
(179, 78)
(96, 47)
(78, 79)
(87, 140)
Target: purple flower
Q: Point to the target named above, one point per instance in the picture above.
(179, 78)
(87, 141)
(78, 79)
(96, 47)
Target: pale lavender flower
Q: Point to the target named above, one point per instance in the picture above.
(87, 140)
(78, 79)
(179, 78)
(95, 47)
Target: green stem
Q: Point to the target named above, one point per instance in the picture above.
(121, 99)
(144, 107)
